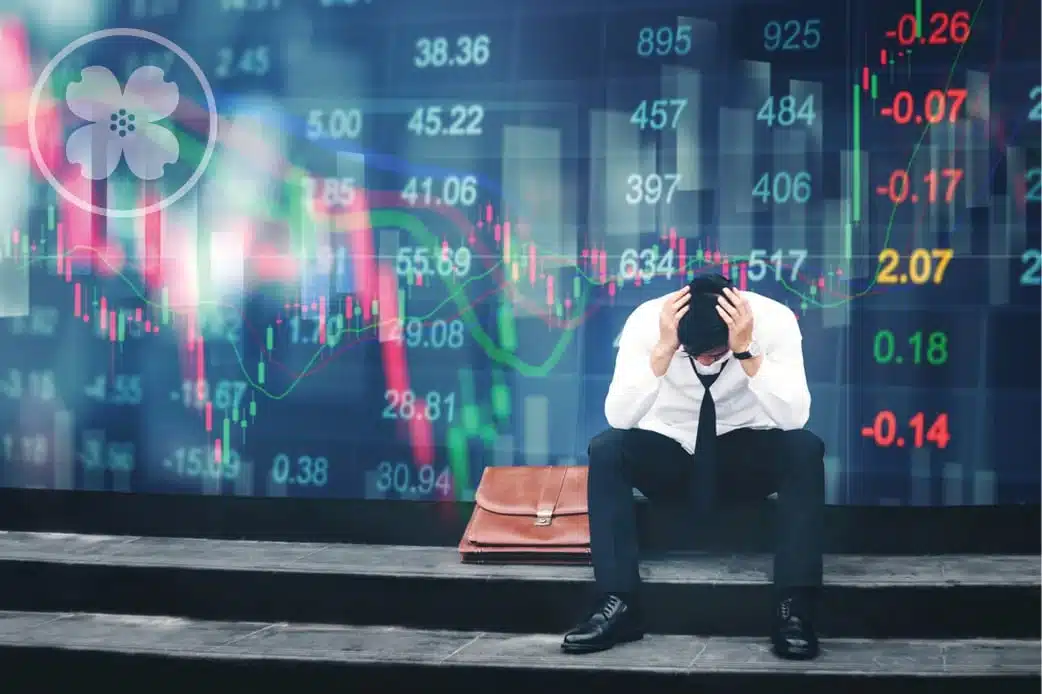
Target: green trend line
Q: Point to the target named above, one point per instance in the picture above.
(402, 220)
(411, 224)
(391, 218)
(893, 211)
(295, 175)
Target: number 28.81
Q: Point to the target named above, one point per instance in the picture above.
(405, 404)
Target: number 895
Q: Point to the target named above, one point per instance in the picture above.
(666, 40)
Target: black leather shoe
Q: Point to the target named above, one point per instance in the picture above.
(793, 635)
(611, 623)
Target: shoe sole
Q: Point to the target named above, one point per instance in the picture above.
(790, 655)
(580, 649)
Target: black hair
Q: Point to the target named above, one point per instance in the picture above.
(702, 329)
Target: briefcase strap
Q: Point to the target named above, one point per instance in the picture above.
(549, 495)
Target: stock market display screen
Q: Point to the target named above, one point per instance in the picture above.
(362, 249)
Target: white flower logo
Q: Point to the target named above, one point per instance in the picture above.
(122, 123)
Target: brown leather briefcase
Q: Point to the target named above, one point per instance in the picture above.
(534, 515)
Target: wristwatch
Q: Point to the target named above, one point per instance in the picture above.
(751, 352)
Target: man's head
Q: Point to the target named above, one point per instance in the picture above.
(702, 333)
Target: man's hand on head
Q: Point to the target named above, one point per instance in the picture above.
(673, 309)
(738, 315)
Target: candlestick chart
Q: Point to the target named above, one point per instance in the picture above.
(415, 245)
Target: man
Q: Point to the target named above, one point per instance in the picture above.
(708, 399)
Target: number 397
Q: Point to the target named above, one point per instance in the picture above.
(651, 189)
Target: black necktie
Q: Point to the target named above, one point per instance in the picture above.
(703, 479)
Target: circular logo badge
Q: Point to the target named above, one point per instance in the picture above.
(122, 123)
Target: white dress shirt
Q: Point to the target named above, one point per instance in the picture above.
(776, 398)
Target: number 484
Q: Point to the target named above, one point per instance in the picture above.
(785, 112)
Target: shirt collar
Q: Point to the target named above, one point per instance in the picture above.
(713, 368)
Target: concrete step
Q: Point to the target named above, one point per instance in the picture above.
(941, 597)
(59, 649)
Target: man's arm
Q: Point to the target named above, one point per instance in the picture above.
(639, 368)
(777, 377)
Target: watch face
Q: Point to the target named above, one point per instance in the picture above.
(754, 349)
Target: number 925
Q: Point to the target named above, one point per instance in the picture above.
(792, 35)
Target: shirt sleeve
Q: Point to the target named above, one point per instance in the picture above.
(634, 386)
(780, 384)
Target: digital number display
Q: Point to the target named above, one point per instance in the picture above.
(418, 231)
